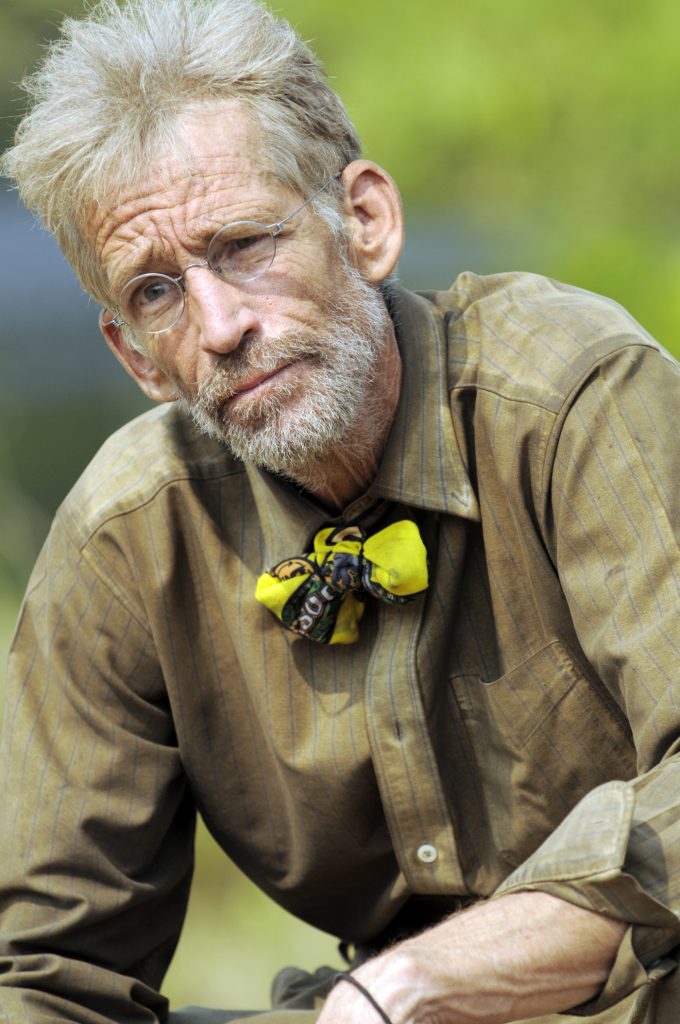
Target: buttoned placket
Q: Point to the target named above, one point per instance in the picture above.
(409, 776)
(419, 815)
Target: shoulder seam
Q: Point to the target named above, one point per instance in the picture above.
(143, 503)
(568, 403)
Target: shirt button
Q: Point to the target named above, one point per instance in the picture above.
(427, 854)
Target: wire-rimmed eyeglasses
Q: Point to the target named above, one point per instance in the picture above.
(238, 252)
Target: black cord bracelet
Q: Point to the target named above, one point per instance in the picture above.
(346, 976)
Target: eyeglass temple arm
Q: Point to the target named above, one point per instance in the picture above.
(278, 226)
(117, 320)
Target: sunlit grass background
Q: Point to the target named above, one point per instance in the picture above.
(235, 940)
(526, 135)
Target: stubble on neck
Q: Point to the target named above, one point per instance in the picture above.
(341, 476)
(328, 439)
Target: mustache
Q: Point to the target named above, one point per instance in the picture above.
(257, 356)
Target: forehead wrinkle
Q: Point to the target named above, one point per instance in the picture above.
(194, 233)
(152, 246)
(194, 236)
(170, 222)
(155, 196)
(223, 152)
(143, 259)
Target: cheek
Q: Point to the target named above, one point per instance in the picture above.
(305, 289)
(299, 292)
(177, 360)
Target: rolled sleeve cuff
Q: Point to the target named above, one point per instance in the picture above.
(582, 862)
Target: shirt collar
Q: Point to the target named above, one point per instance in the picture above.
(422, 465)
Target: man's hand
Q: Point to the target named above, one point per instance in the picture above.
(520, 956)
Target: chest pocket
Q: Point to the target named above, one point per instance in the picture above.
(541, 737)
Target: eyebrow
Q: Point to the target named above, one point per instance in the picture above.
(206, 233)
(132, 270)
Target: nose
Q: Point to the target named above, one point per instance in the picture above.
(220, 310)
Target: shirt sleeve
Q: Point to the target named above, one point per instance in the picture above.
(96, 847)
(613, 530)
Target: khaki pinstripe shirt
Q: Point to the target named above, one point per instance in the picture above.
(513, 728)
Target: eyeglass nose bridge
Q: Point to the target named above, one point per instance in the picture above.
(181, 283)
(191, 266)
(180, 280)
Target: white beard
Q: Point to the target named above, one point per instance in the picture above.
(294, 424)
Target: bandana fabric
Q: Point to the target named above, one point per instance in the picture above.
(321, 595)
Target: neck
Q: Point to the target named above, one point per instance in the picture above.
(347, 471)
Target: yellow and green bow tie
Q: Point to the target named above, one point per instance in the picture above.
(321, 595)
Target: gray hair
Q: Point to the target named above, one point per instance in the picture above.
(107, 99)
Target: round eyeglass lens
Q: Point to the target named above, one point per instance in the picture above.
(152, 303)
(242, 251)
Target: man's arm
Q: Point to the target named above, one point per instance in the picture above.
(612, 526)
(96, 844)
(519, 956)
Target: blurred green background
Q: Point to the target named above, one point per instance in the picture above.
(526, 135)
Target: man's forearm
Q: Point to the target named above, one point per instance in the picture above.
(520, 956)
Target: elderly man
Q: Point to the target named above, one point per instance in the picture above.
(388, 588)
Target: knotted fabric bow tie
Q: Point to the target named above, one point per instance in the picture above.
(321, 595)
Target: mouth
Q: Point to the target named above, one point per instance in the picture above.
(259, 383)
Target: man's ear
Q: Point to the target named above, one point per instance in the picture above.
(141, 367)
(372, 207)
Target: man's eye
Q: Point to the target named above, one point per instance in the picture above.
(149, 294)
(241, 256)
(240, 244)
(155, 291)
(242, 251)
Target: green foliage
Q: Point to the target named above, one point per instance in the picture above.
(25, 27)
(235, 939)
(551, 128)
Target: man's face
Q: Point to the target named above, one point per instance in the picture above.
(279, 367)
